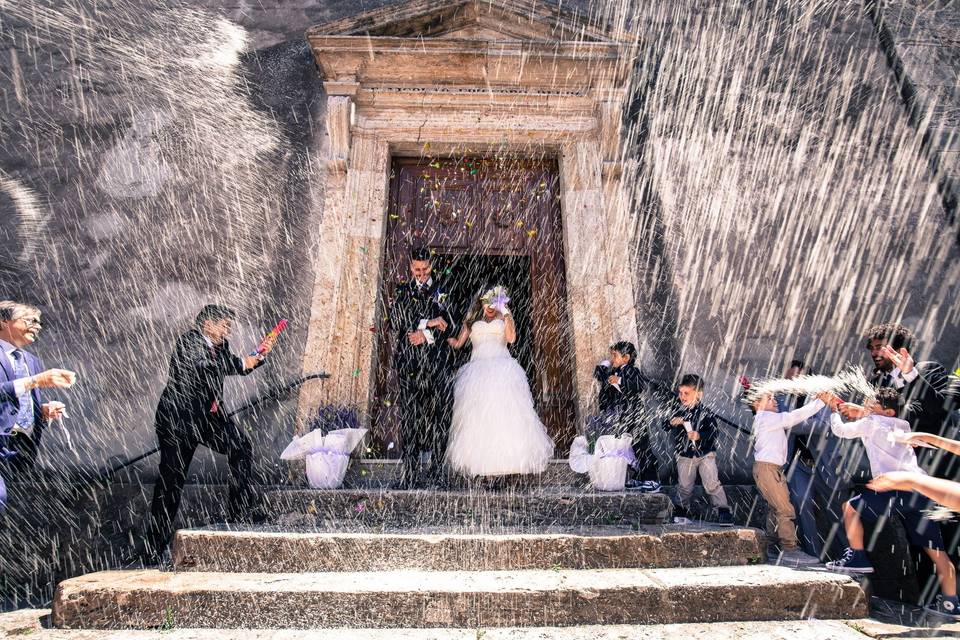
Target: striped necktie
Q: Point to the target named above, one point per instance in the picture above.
(20, 370)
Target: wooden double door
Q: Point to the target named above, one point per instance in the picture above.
(488, 221)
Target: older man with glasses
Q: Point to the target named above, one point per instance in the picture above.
(23, 415)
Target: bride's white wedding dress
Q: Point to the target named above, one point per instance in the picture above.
(495, 429)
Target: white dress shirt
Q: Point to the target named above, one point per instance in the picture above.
(770, 431)
(884, 455)
(901, 379)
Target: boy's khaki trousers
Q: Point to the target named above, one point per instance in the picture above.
(772, 484)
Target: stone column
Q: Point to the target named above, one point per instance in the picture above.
(352, 346)
(339, 339)
(588, 288)
(618, 263)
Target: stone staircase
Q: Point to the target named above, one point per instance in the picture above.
(479, 562)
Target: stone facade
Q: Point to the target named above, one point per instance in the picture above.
(489, 78)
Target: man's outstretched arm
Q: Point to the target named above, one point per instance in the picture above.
(945, 492)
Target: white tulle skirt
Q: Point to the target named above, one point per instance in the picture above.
(495, 429)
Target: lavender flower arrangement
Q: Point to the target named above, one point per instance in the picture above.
(330, 417)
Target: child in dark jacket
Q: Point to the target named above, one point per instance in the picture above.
(693, 428)
(621, 405)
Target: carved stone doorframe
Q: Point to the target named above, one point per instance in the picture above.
(450, 94)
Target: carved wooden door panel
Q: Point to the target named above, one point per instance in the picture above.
(488, 221)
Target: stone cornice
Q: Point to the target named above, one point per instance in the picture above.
(438, 18)
(403, 61)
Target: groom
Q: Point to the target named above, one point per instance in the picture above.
(421, 324)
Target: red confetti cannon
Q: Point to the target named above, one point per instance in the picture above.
(280, 326)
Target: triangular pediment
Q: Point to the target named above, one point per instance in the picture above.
(482, 20)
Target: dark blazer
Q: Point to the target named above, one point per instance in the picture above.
(195, 382)
(629, 396)
(10, 407)
(703, 422)
(410, 305)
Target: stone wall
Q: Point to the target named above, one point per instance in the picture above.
(784, 201)
(922, 44)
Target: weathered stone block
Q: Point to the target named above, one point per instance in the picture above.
(596, 548)
(397, 599)
(389, 509)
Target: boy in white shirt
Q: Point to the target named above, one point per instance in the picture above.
(885, 439)
(770, 428)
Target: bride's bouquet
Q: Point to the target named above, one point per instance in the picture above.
(496, 298)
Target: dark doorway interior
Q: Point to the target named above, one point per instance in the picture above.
(488, 221)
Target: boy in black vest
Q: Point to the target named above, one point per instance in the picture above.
(693, 428)
(621, 390)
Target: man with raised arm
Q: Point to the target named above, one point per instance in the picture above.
(23, 414)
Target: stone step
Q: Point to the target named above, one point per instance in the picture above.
(267, 551)
(460, 599)
(26, 623)
(382, 473)
(487, 510)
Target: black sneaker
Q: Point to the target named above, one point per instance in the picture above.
(642, 486)
(853, 561)
(681, 515)
(946, 607)
(724, 518)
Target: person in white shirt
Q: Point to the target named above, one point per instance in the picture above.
(770, 428)
(888, 441)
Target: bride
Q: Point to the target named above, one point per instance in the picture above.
(495, 429)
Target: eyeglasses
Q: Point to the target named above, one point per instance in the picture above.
(30, 322)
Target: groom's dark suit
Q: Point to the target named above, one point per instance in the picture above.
(423, 373)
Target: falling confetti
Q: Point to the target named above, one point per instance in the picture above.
(149, 141)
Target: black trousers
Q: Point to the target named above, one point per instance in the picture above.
(178, 442)
(647, 467)
(425, 412)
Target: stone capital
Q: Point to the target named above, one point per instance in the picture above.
(340, 112)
